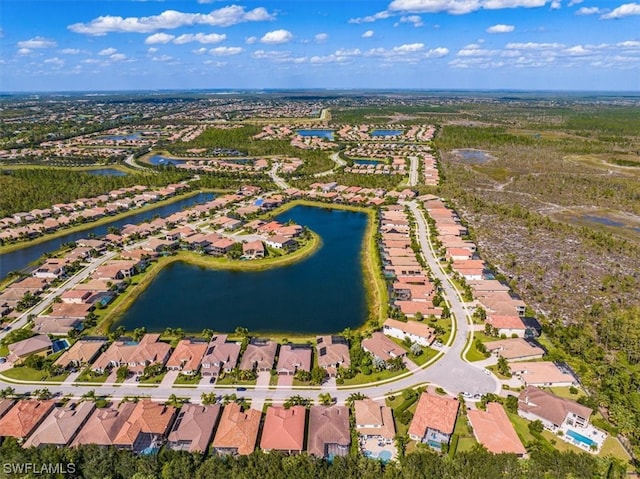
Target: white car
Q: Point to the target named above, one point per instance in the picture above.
(486, 371)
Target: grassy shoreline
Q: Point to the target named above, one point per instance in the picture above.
(102, 221)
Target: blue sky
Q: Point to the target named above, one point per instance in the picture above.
(60, 45)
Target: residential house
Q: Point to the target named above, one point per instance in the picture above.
(187, 356)
(259, 355)
(62, 425)
(83, 352)
(553, 411)
(417, 332)
(543, 373)
(293, 358)
(24, 417)
(374, 420)
(382, 347)
(193, 429)
(104, 425)
(253, 249)
(333, 352)
(237, 431)
(329, 433)
(219, 356)
(281, 242)
(136, 356)
(283, 429)
(221, 246)
(493, 429)
(40, 345)
(515, 349)
(434, 420)
(508, 325)
(147, 426)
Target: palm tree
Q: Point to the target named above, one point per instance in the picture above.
(354, 397)
(325, 399)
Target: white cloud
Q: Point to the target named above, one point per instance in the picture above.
(162, 58)
(501, 28)
(250, 40)
(321, 37)
(70, 51)
(460, 7)
(118, 57)
(225, 51)
(415, 20)
(215, 63)
(368, 34)
(200, 51)
(159, 38)
(203, 38)
(500, 4)
(409, 48)
(625, 10)
(276, 37)
(24, 51)
(37, 42)
(152, 50)
(371, 18)
(107, 51)
(534, 46)
(437, 52)
(556, 5)
(629, 44)
(577, 50)
(55, 61)
(575, 2)
(588, 11)
(171, 19)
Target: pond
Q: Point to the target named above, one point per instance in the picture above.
(368, 162)
(324, 293)
(156, 160)
(130, 137)
(106, 172)
(387, 132)
(473, 156)
(328, 134)
(19, 259)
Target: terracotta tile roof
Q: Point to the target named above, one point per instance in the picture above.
(283, 429)
(237, 429)
(260, 355)
(382, 347)
(494, 431)
(294, 357)
(5, 405)
(147, 417)
(515, 348)
(187, 355)
(506, 322)
(332, 350)
(328, 425)
(434, 412)
(81, 352)
(22, 419)
(104, 425)
(411, 327)
(373, 419)
(29, 346)
(62, 425)
(193, 428)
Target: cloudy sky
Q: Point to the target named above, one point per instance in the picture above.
(58, 45)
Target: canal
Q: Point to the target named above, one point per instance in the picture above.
(324, 293)
(19, 259)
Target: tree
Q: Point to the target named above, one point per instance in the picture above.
(176, 401)
(418, 316)
(325, 399)
(122, 373)
(354, 397)
(503, 367)
(302, 376)
(208, 398)
(138, 333)
(415, 349)
(511, 403)
(536, 427)
(317, 375)
(7, 392)
(42, 394)
(207, 333)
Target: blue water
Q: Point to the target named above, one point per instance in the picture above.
(602, 220)
(322, 294)
(385, 456)
(386, 132)
(133, 136)
(151, 450)
(580, 438)
(157, 160)
(474, 156)
(19, 259)
(328, 134)
(59, 345)
(106, 172)
(368, 162)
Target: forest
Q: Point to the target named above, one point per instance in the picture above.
(94, 462)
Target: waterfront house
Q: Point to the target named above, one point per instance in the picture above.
(417, 332)
(83, 352)
(382, 347)
(24, 417)
(373, 420)
(237, 432)
(293, 358)
(554, 412)
(434, 420)
(280, 242)
(39, 345)
(328, 434)
(53, 268)
(136, 356)
(259, 355)
(333, 352)
(253, 249)
(62, 425)
(193, 429)
(221, 246)
(104, 424)
(494, 431)
(283, 429)
(187, 356)
(219, 356)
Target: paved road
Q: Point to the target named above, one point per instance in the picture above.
(413, 171)
(130, 161)
(280, 183)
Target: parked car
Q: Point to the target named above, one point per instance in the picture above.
(241, 389)
(3, 360)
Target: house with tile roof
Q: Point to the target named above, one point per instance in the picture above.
(24, 417)
(104, 425)
(237, 431)
(187, 356)
(434, 420)
(493, 429)
(259, 355)
(146, 427)
(333, 352)
(554, 411)
(81, 353)
(62, 425)
(219, 356)
(417, 332)
(293, 358)
(382, 347)
(283, 429)
(373, 419)
(39, 344)
(193, 428)
(329, 433)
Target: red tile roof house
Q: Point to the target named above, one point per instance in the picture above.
(382, 347)
(219, 356)
(81, 353)
(333, 352)
(187, 356)
(136, 356)
(508, 325)
(39, 344)
(554, 412)
(104, 424)
(146, 427)
(293, 358)
(374, 420)
(434, 420)
(283, 429)
(221, 247)
(237, 432)
(193, 429)
(259, 356)
(329, 434)
(494, 431)
(23, 418)
(62, 425)
(415, 331)
(253, 249)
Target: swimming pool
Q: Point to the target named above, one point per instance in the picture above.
(580, 438)
(59, 345)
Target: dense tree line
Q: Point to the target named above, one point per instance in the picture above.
(29, 188)
(97, 462)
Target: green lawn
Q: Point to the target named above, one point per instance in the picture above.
(427, 353)
(466, 439)
(373, 377)
(23, 373)
(564, 392)
(473, 354)
(189, 380)
(153, 379)
(444, 323)
(89, 376)
(612, 447)
(228, 380)
(521, 426)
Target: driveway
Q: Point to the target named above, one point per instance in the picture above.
(169, 378)
(285, 380)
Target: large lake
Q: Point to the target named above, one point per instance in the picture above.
(322, 294)
(19, 259)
